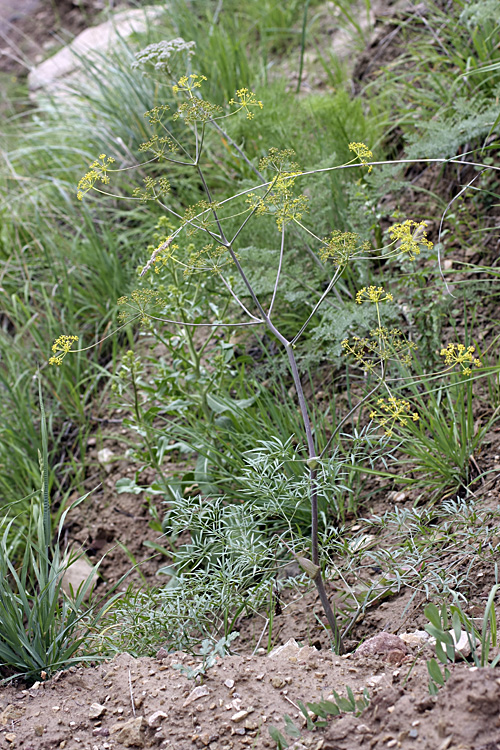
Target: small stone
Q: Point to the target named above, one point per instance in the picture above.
(162, 653)
(293, 651)
(11, 713)
(96, 710)
(39, 730)
(394, 656)
(278, 682)
(105, 457)
(229, 683)
(101, 732)
(155, 719)
(382, 643)
(240, 715)
(196, 694)
(77, 574)
(10, 737)
(413, 733)
(462, 645)
(362, 729)
(129, 734)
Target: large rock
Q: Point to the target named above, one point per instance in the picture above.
(58, 71)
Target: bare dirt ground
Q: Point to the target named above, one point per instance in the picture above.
(147, 702)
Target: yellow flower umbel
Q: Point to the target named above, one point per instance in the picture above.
(392, 410)
(98, 172)
(280, 200)
(411, 235)
(340, 247)
(373, 294)
(363, 153)
(188, 83)
(62, 345)
(458, 354)
(383, 345)
(244, 100)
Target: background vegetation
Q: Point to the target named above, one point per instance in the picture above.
(225, 399)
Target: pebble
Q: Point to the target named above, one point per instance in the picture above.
(155, 719)
(278, 682)
(96, 710)
(194, 695)
(240, 715)
(129, 734)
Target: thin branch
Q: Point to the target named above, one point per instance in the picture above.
(278, 273)
(465, 187)
(237, 299)
(318, 303)
(216, 324)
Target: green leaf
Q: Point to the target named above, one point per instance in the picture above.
(456, 625)
(433, 615)
(310, 723)
(435, 672)
(290, 728)
(128, 485)
(278, 738)
(330, 707)
(318, 709)
(440, 653)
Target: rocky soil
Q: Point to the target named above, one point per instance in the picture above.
(148, 703)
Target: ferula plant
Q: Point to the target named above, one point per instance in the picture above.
(208, 239)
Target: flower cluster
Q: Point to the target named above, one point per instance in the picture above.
(383, 345)
(411, 235)
(373, 294)
(392, 410)
(458, 354)
(244, 100)
(138, 302)
(152, 189)
(159, 145)
(62, 345)
(280, 200)
(159, 56)
(203, 212)
(363, 153)
(341, 246)
(188, 83)
(279, 160)
(197, 110)
(209, 258)
(98, 172)
(155, 115)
